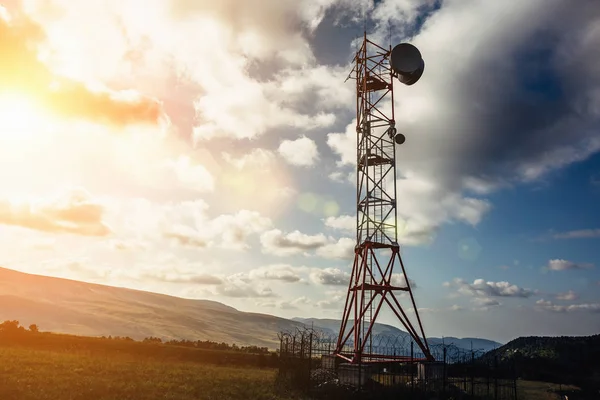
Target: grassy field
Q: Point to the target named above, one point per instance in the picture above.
(533, 390)
(28, 374)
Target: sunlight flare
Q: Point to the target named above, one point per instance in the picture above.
(21, 118)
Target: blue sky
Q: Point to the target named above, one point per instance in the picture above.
(222, 168)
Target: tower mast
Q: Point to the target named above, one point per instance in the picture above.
(373, 283)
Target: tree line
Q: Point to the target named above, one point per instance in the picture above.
(14, 328)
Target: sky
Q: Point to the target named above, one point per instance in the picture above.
(206, 150)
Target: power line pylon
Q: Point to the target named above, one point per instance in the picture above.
(373, 283)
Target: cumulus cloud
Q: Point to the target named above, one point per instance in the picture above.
(343, 249)
(186, 223)
(257, 158)
(228, 231)
(277, 272)
(283, 244)
(258, 50)
(346, 223)
(235, 228)
(251, 33)
(399, 279)
(481, 288)
(456, 119)
(485, 302)
(334, 300)
(430, 204)
(191, 175)
(74, 211)
(186, 236)
(567, 296)
(563, 265)
(124, 245)
(300, 152)
(547, 305)
(22, 71)
(330, 276)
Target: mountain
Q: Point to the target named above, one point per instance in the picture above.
(479, 344)
(68, 306)
(566, 359)
(332, 326)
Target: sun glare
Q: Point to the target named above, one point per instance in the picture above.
(21, 117)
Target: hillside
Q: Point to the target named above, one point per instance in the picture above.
(553, 359)
(67, 306)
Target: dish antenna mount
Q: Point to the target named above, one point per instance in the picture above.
(407, 63)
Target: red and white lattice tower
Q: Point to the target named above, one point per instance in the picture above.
(375, 279)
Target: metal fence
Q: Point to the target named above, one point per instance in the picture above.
(307, 364)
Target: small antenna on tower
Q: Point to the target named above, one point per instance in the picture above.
(365, 18)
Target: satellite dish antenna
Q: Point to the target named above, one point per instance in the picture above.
(399, 138)
(407, 63)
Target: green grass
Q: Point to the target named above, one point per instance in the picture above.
(27, 373)
(534, 390)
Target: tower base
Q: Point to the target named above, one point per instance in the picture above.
(354, 374)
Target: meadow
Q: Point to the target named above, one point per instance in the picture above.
(28, 373)
(47, 366)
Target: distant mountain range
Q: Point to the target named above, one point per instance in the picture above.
(332, 326)
(68, 306)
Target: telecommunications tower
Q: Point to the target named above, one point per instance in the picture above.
(373, 282)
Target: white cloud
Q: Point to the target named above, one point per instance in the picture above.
(343, 249)
(330, 276)
(300, 152)
(563, 265)
(399, 279)
(567, 296)
(333, 301)
(549, 306)
(186, 236)
(235, 228)
(344, 144)
(72, 211)
(485, 302)
(346, 223)
(423, 207)
(284, 244)
(278, 272)
(424, 203)
(257, 158)
(456, 119)
(237, 36)
(192, 176)
(186, 223)
(483, 289)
